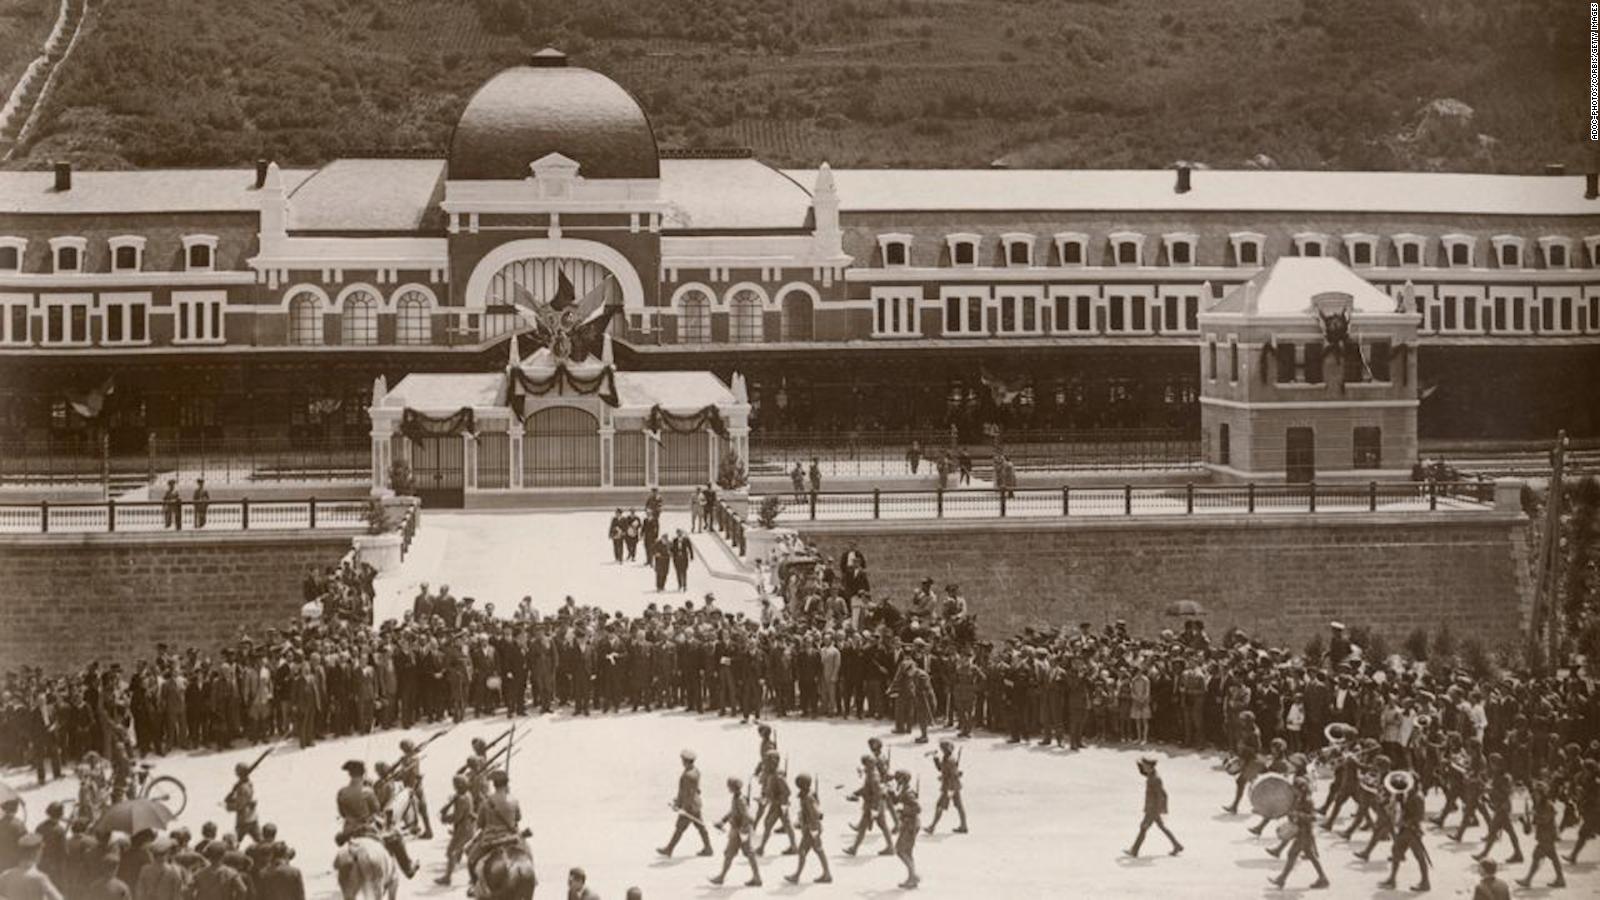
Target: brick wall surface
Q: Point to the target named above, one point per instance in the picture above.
(67, 600)
(1281, 579)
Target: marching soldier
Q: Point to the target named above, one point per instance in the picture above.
(1500, 788)
(687, 804)
(738, 824)
(872, 804)
(1544, 837)
(905, 844)
(775, 800)
(1155, 806)
(1408, 836)
(241, 801)
(460, 812)
(499, 822)
(949, 766)
(410, 775)
(1304, 842)
(358, 807)
(810, 832)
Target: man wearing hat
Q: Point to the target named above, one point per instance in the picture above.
(738, 835)
(277, 878)
(162, 878)
(499, 822)
(103, 883)
(242, 801)
(923, 602)
(949, 766)
(810, 832)
(23, 880)
(682, 551)
(687, 804)
(1338, 645)
(460, 812)
(358, 806)
(1155, 807)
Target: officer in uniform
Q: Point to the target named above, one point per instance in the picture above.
(358, 807)
(1544, 836)
(949, 787)
(1304, 842)
(460, 812)
(905, 843)
(241, 801)
(499, 821)
(1155, 806)
(687, 803)
(964, 693)
(410, 775)
(810, 831)
(738, 818)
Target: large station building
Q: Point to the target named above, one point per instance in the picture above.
(240, 303)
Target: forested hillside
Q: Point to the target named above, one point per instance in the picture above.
(1083, 83)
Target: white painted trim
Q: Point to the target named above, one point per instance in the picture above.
(81, 244)
(1449, 242)
(1063, 238)
(1302, 404)
(889, 239)
(475, 297)
(766, 299)
(126, 300)
(209, 241)
(1555, 240)
(1354, 239)
(1118, 238)
(427, 293)
(711, 295)
(1012, 238)
(1304, 239)
(136, 241)
(800, 287)
(305, 286)
(218, 332)
(66, 301)
(1502, 241)
(338, 303)
(122, 279)
(962, 237)
(1172, 238)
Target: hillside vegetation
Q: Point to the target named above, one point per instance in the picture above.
(1482, 85)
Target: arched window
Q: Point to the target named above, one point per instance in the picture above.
(694, 318)
(745, 318)
(413, 323)
(305, 319)
(359, 321)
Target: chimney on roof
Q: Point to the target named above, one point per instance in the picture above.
(63, 176)
(1555, 169)
(1183, 179)
(1591, 185)
(261, 173)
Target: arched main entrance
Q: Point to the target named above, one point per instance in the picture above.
(561, 448)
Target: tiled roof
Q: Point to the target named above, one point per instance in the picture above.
(139, 191)
(370, 195)
(907, 190)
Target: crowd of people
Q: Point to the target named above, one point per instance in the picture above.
(828, 646)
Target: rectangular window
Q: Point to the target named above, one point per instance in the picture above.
(1498, 322)
(1072, 253)
(1312, 248)
(1030, 314)
(1449, 304)
(975, 315)
(1410, 254)
(966, 253)
(1285, 363)
(1191, 313)
(1118, 314)
(1249, 253)
(199, 256)
(1547, 317)
(1211, 360)
(1368, 448)
(963, 313)
(127, 259)
(952, 314)
(1460, 255)
(14, 318)
(10, 259)
(1355, 364)
(1138, 313)
(124, 319)
(895, 315)
(1361, 253)
(1083, 314)
(1519, 314)
(1469, 313)
(1313, 362)
(1127, 253)
(1378, 360)
(1233, 361)
(1510, 256)
(67, 320)
(1555, 257)
(1224, 444)
(1182, 253)
(894, 254)
(1566, 313)
(1169, 314)
(67, 259)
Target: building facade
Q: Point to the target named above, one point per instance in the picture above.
(237, 304)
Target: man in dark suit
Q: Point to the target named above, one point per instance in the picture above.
(682, 552)
(510, 653)
(1317, 699)
(280, 880)
(661, 556)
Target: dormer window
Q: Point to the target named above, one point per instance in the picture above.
(896, 249)
(1556, 250)
(1309, 243)
(1019, 249)
(11, 249)
(1071, 247)
(1458, 250)
(1592, 242)
(68, 254)
(963, 249)
(127, 253)
(1246, 247)
(1408, 249)
(199, 252)
(1361, 249)
(1507, 250)
(1180, 248)
(1127, 248)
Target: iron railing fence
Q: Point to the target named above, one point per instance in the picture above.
(885, 453)
(1130, 500)
(242, 460)
(46, 517)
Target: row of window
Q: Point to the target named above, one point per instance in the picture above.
(65, 320)
(1246, 248)
(1366, 362)
(126, 253)
(358, 319)
(1509, 310)
(1007, 309)
(746, 324)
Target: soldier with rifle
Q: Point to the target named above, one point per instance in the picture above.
(948, 762)
(871, 795)
(460, 812)
(738, 824)
(775, 802)
(810, 831)
(241, 799)
(687, 805)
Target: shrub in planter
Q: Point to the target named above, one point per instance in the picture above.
(731, 472)
(767, 514)
(378, 518)
(400, 478)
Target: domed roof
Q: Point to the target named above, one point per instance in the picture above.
(547, 106)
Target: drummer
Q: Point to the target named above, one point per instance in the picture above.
(1248, 758)
(1282, 766)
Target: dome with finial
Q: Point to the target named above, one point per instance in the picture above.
(546, 106)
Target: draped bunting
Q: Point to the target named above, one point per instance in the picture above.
(1402, 353)
(560, 382)
(416, 425)
(708, 416)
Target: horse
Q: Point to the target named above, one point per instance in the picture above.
(506, 873)
(366, 870)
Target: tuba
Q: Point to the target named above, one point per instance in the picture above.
(1338, 733)
(1399, 782)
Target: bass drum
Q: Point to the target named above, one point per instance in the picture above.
(1286, 830)
(1272, 795)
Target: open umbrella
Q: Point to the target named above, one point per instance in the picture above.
(1185, 608)
(133, 816)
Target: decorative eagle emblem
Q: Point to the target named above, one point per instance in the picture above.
(572, 329)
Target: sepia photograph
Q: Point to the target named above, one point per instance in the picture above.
(636, 449)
